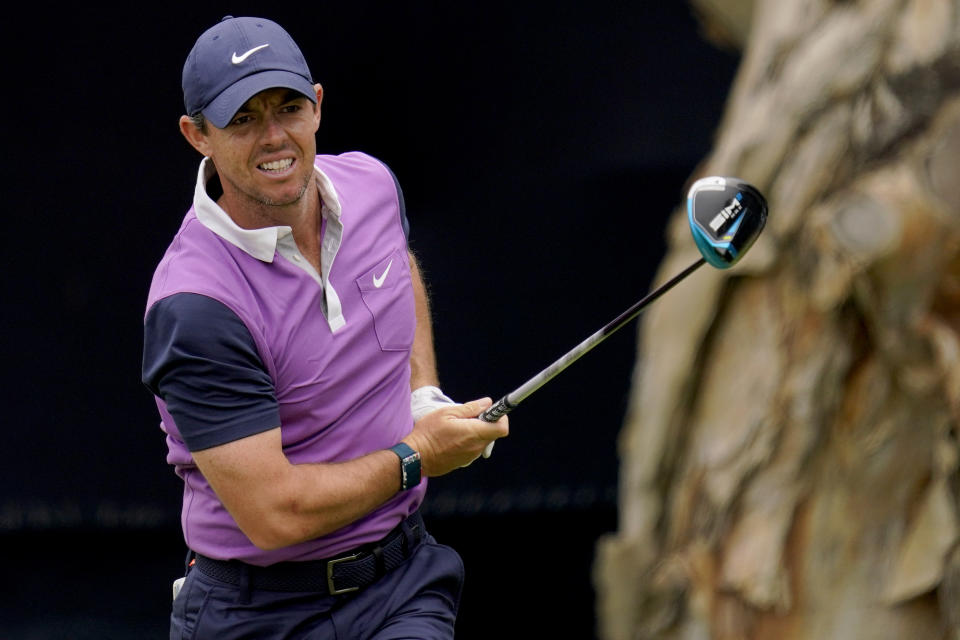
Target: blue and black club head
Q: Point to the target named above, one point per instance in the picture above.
(726, 215)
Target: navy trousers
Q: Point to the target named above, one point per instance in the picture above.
(419, 599)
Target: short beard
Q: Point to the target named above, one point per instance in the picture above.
(261, 201)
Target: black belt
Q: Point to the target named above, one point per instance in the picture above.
(348, 572)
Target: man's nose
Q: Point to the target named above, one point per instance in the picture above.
(272, 130)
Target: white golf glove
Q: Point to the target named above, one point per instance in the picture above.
(426, 399)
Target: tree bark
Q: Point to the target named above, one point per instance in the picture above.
(790, 454)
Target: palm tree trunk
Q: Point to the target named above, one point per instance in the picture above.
(790, 456)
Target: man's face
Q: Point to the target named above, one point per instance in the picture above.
(264, 156)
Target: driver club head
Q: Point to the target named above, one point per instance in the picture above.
(726, 215)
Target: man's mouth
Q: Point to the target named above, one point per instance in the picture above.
(276, 166)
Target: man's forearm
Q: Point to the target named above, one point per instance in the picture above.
(423, 361)
(277, 503)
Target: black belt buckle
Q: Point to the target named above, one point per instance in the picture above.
(330, 565)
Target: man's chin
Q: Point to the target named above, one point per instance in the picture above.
(279, 201)
(283, 199)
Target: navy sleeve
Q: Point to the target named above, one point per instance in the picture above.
(403, 206)
(200, 358)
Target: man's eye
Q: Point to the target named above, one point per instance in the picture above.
(291, 108)
(241, 120)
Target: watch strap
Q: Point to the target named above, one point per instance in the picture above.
(409, 465)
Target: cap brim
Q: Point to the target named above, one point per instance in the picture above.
(221, 109)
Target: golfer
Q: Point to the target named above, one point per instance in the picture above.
(287, 341)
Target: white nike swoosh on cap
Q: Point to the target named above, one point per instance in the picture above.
(378, 282)
(235, 59)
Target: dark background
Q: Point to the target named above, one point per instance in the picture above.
(541, 149)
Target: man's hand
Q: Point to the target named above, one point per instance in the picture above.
(453, 436)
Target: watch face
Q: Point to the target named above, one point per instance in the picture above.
(411, 470)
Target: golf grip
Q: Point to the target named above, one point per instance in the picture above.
(509, 402)
(498, 409)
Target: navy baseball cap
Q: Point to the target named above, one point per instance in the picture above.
(236, 59)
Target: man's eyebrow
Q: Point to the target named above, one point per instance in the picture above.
(289, 95)
(292, 95)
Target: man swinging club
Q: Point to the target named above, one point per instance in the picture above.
(287, 340)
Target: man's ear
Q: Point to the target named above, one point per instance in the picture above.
(319, 90)
(196, 137)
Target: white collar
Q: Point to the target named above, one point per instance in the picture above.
(259, 243)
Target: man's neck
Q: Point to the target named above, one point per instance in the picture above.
(303, 217)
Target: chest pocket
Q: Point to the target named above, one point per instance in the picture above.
(387, 293)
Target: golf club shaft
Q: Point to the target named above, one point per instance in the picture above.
(509, 402)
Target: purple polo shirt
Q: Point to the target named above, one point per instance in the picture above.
(242, 335)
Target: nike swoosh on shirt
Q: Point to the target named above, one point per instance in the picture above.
(235, 59)
(378, 282)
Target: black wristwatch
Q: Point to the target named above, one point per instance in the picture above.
(409, 465)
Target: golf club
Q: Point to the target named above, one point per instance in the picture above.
(725, 214)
